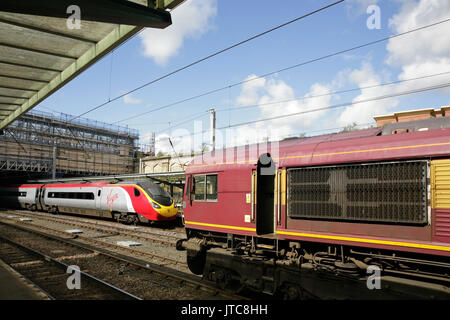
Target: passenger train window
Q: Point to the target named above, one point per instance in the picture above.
(71, 195)
(136, 192)
(205, 187)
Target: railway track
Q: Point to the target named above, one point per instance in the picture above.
(134, 276)
(50, 275)
(162, 236)
(107, 231)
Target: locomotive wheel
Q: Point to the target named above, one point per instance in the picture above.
(290, 291)
(196, 261)
(223, 278)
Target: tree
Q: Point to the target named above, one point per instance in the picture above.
(205, 147)
(350, 127)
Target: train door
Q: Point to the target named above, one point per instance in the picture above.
(40, 198)
(36, 199)
(98, 196)
(265, 192)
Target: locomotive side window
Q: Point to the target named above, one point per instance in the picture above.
(211, 187)
(199, 187)
(205, 187)
(188, 188)
(136, 192)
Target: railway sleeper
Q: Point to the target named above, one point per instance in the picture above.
(26, 263)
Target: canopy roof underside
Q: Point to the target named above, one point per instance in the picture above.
(40, 54)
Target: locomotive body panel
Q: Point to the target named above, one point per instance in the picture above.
(222, 214)
(230, 214)
(440, 194)
(19, 196)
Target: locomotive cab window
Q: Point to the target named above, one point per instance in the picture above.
(187, 188)
(136, 192)
(205, 187)
(211, 187)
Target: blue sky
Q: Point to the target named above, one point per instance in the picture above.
(201, 27)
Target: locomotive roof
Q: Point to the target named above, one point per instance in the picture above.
(356, 146)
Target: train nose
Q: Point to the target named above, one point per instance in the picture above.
(167, 212)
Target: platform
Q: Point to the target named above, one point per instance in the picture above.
(13, 287)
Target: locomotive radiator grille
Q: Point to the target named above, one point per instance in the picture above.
(382, 192)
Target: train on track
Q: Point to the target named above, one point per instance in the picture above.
(127, 201)
(296, 217)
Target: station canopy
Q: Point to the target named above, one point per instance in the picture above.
(41, 48)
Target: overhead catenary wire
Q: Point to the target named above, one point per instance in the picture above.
(336, 53)
(195, 116)
(340, 105)
(268, 104)
(302, 134)
(211, 56)
(334, 129)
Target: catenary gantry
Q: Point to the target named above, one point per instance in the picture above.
(39, 53)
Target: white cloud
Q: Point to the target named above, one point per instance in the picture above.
(250, 90)
(423, 52)
(129, 99)
(181, 139)
(189, 20)
(363, 113)
(276, 98)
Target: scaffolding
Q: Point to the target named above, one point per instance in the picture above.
(60, 145)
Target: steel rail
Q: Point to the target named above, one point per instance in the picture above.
(94, 225)
(100, 243)
(64, 267)
(129, 260)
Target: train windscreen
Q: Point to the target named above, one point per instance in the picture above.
(156, 192)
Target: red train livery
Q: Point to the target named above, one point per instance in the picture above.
(128, 201)
(283, 218)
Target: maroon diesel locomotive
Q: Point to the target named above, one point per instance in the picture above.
(313, 217)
